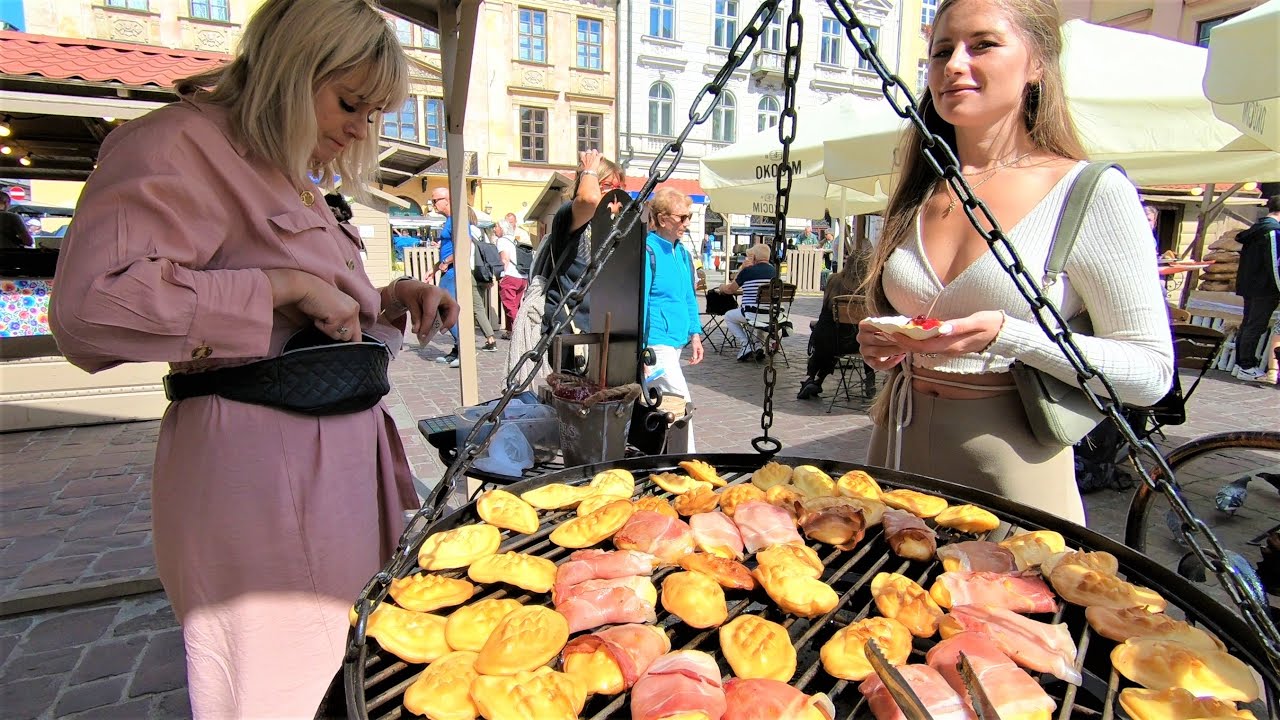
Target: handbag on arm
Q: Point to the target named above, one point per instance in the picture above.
(1059, 413)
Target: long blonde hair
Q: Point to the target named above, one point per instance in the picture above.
(1045, 116)
(289, 49)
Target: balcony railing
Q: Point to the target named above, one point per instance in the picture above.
(767, 65)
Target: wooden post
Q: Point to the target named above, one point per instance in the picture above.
(1210, 209)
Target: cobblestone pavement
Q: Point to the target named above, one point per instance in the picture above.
(75, 513)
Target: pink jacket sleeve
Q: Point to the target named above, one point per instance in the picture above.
(138, 277)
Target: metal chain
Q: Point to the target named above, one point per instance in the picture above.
(787, 121)
(522, 373)
(946, 166)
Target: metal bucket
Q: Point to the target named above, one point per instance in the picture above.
(595, 434)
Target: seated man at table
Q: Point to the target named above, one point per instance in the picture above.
(756, 271)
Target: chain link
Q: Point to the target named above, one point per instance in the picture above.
(522, 373)
(945, 164)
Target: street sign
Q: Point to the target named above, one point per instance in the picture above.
(17, 193)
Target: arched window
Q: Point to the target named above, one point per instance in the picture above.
(769, 110)
(660, 101)
(724, 119)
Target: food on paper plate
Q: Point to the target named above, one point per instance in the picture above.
(715, 533)
(844, 655)
(812, 482)
(1037, 646)
(443, 690)
(920, 504)
(734, 495)
(459, 547)
(1031, 548)
(763, 699)
(614, 482)
(653, 503)
(836, 524)
(731, 574)
(940, 700)
(696, 598)
(424, 592)
(1177, 704)
(595, 502)
(770, 475)
(542, 693)
(501, 509)
(763, 524)
(588, 530)
(556, 496)
(413, 637)
(858, 484)
(535, 574)
(611, 660)
(699, 500)
(1013, 692)
(676, 484)
(901, 598)
(469, 627)
(976, 556)
(666, 538)
(967, 519)
(1021, 593)
(1162, 664)
(920, 327)
(908, 536)
(527, 638)
(1120, 624)
(758, 648)
(679, 684)
(703, 472)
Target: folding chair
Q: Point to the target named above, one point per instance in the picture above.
(849, 310)
(761, 337)
(717, 306)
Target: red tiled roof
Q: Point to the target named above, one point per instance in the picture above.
(688, 187)
(100, 60)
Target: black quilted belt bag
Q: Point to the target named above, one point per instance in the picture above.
(315, 375)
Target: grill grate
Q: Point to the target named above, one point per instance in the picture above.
(383, 678)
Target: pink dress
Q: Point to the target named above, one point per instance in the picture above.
(267, 524)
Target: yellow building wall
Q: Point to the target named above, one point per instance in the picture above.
(1164, 18)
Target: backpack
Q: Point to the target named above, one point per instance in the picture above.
(490, 266)
(524, 258)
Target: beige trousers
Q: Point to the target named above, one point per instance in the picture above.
(985, 444)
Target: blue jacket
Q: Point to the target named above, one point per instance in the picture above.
(671, 308)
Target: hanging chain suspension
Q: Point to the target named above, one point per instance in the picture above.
(522, 372)
(947, 167)
(787, 122)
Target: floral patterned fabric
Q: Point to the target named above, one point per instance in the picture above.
(24, 307)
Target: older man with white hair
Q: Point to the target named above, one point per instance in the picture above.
(756, 271)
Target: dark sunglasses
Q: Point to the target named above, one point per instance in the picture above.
(681, 218)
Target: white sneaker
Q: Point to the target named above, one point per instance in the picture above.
(455, 363)
(1240, 373)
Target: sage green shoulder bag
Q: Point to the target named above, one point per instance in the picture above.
(1060, 413)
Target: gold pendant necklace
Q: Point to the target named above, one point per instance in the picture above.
(993, 170)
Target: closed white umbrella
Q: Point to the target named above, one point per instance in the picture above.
(1242, 78)
(1136, 100)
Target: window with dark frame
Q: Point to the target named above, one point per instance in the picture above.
(590, 131)
(660, 102)
(726, 22)
(874, 32)
(402, 124)
(533, 134)
(133, 5)
(211, 10)
(662, 19)
(768, 112)
(1204, 26)
(831, 42)
(771, 38)
(435, 122)
(532, 43)
(590, 44)
(928, 11)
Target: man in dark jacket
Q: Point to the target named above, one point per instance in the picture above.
(1258, 282)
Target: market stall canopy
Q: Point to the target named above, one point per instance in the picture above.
(742, 178)
(1242, 77)
(1136, 100)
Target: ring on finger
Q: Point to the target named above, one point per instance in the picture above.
(344, 330)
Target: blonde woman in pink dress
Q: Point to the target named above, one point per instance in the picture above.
(202, 241)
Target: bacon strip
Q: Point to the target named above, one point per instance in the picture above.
(613, 605)
(939, 698)
(1021, 593)
(1033, 645)
(762, 525)
(687, 681)
(764, 699)
(633, 647)
(978, 556)
(714, 532)
(667, 538)
(1013, 692)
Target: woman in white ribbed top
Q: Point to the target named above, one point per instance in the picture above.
(995, 94)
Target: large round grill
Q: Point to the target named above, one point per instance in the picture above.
(376, 680)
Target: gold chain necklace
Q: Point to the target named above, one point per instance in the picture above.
(993, 170)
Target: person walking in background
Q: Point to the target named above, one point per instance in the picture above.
(448, 278)
(513, 282)
(267, 521)
(671, 305)
(1258, 282)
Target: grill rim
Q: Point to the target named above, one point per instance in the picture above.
(1136, 567)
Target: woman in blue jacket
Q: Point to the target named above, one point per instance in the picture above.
(671, 317)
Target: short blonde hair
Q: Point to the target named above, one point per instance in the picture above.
(289, 49)
(666, 198)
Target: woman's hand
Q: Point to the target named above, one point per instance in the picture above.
(879, 349)
(590, 160)
(696, 343)
(430, 308)
(334, 312)
(961, 336)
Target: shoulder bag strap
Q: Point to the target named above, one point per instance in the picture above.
(1072, 216)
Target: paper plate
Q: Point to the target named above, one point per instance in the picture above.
(900, 324)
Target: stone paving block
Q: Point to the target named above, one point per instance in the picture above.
(50, 662)
(171, 705)
(26, 549)
(129, 710)
(56, 571)
(28, 698)
(7, 644)
(156, 615)
(109, 658)
(99, 485)
(126, 559)
(163, 665)
(72, 628)
(89, 696)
